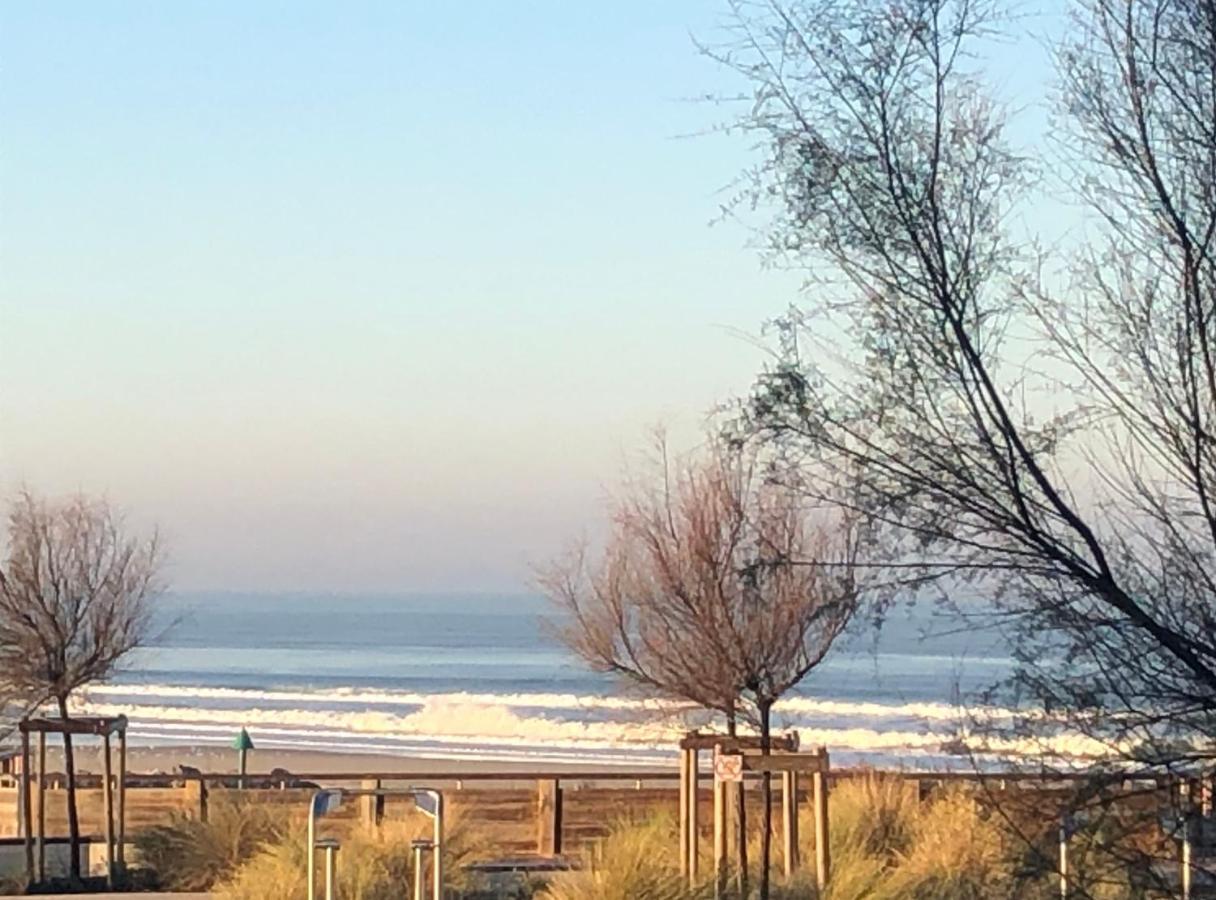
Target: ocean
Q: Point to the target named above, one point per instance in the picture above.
(479, 677)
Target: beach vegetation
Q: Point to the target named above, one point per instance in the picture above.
(252, 851)
(192, 854)
(626, 866)
(76, 594)
(887, 844)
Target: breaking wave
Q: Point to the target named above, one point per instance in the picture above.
(539, 726)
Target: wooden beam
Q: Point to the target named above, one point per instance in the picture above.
(789, 821)
(24, 808)
(694, 824)
(41, 838)
(122, 800)
(684, 842)
(719, 839)
(95, 726)
(788, 762)
(787, 743)
(107, 792)
(823, 854)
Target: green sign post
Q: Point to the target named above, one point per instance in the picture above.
(242, 743)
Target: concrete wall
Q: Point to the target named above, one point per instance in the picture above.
(92, 857)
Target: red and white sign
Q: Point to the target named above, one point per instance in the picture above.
(728, 767)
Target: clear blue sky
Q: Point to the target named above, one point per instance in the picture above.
(355, 296)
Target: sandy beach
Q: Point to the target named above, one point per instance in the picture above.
(223, 760)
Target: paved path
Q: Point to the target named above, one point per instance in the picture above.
(141, 896)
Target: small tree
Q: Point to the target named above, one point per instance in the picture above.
(713, 589)
(75, 598)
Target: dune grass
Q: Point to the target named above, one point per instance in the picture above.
(373, 864)
(191, 855)
(886, 845)
(249, 852)
(635, 862)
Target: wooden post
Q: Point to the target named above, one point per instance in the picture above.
(823, 855)
(734, 828)
(41, 839)
(1062, 864)
(694, 826)
(122, 799)
(371, 807)
(548, 817)
(1186, 807)
(196, 798)
(684, 842)
(719, 838)
(107, 792)
(789, 819)
(24, 809)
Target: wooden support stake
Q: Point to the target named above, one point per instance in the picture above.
(122, 800)
(823, 855)
(1186, 806)
(684, 842)
(1062, 864)
(719, 838)
(24, 809)
(108, 795)
(41, 833)
(548, 817)
(789, 819)
(694, 825)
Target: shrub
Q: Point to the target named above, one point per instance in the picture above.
(635, 862)
(191, 855)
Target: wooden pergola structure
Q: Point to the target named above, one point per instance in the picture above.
(35, 837)
(784, 759)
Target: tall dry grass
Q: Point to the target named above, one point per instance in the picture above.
(190, 855)
(371, 864)
(249, 852)
(635, 862)
(886, 845)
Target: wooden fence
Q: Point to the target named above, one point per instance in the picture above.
(543, 812)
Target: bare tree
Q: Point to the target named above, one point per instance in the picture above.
(716, 589)
(75, 598)
(1036, 425)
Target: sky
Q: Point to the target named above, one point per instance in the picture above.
(360, 296)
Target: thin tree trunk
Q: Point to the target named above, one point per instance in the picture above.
(766, 832)
(69, 767)
(740, 818)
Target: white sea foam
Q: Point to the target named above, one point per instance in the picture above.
(461, 722)
(790, 707)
